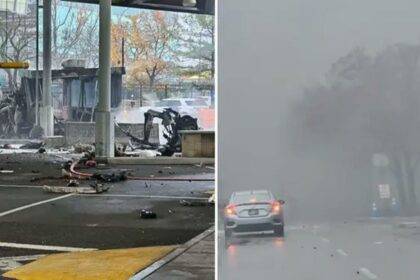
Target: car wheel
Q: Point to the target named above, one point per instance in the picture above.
(279, 231)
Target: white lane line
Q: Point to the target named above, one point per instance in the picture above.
(366, 272)
(326, 240)
(22, 258)
(34, 204)
(147, 196)
(20, 186)
(44, 247)
(342, 252)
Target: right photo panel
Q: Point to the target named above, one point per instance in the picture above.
(318, 139)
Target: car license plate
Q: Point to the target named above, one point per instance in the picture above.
(253, 212)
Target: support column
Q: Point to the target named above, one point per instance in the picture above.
(46, 117)
(104, 122)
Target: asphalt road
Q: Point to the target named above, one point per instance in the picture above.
(364, 249)
(102, 221)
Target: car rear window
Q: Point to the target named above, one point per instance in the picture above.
(251, 197)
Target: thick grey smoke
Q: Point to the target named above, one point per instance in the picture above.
(269, 54)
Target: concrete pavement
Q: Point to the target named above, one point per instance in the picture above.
(195, 262)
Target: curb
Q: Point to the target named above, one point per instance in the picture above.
(159, 161)
(171, 256)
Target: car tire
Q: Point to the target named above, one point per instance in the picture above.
(279, 231)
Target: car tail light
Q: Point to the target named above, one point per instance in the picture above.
(230, 210)
(275, 207)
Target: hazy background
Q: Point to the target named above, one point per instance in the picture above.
(269, 51)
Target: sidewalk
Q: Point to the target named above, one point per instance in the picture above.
(195, 261)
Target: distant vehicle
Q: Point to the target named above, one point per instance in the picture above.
(253, 211)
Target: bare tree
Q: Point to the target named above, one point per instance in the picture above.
(370, 105)
(17, 35)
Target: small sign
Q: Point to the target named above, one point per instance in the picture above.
(384, 191)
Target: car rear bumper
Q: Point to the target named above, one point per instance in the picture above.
(236, 224)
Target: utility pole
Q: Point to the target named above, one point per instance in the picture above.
(37, 65)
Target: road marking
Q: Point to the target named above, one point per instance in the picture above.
(366, 272)
(341, 252)
(147, 196)
(23, 258)
(378, 243)
(326, 240)
(34, 204)
(20, 186)
(6, 265)
(44, 247)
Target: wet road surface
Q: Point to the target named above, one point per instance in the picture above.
(383, 249)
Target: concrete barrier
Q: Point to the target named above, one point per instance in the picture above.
(84, 132)
(197, 143)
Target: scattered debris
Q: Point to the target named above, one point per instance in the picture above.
(41, 150)
(192, 203)
(65, 173)
(83, 148)
(73, 183)
(120, 150)
(80, 190)
(99, 188)
(110, 178)
(91, 163)
(32, 145)
(147, 214)
(172, 122)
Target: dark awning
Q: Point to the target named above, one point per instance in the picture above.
(186, 6)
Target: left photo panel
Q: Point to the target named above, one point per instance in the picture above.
(107, 139)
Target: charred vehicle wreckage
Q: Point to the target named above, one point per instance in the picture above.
(172, 122)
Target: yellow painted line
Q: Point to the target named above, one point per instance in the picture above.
(112, 264)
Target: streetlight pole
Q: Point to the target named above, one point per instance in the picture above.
(37, 65)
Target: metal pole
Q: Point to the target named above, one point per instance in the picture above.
(46, 118)
(122, 52)
(104, 103)
(37, 65)
(141, 95)
(104, 125)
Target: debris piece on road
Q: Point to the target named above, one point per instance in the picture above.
(7, 146)
(79, 190)
(91, 163)
(192, 203)
(73, 183)
(110, 178)
(147, 214)
(99, 188)
(5, 171)
(32, 146)
(83, 148)
(42, 150)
